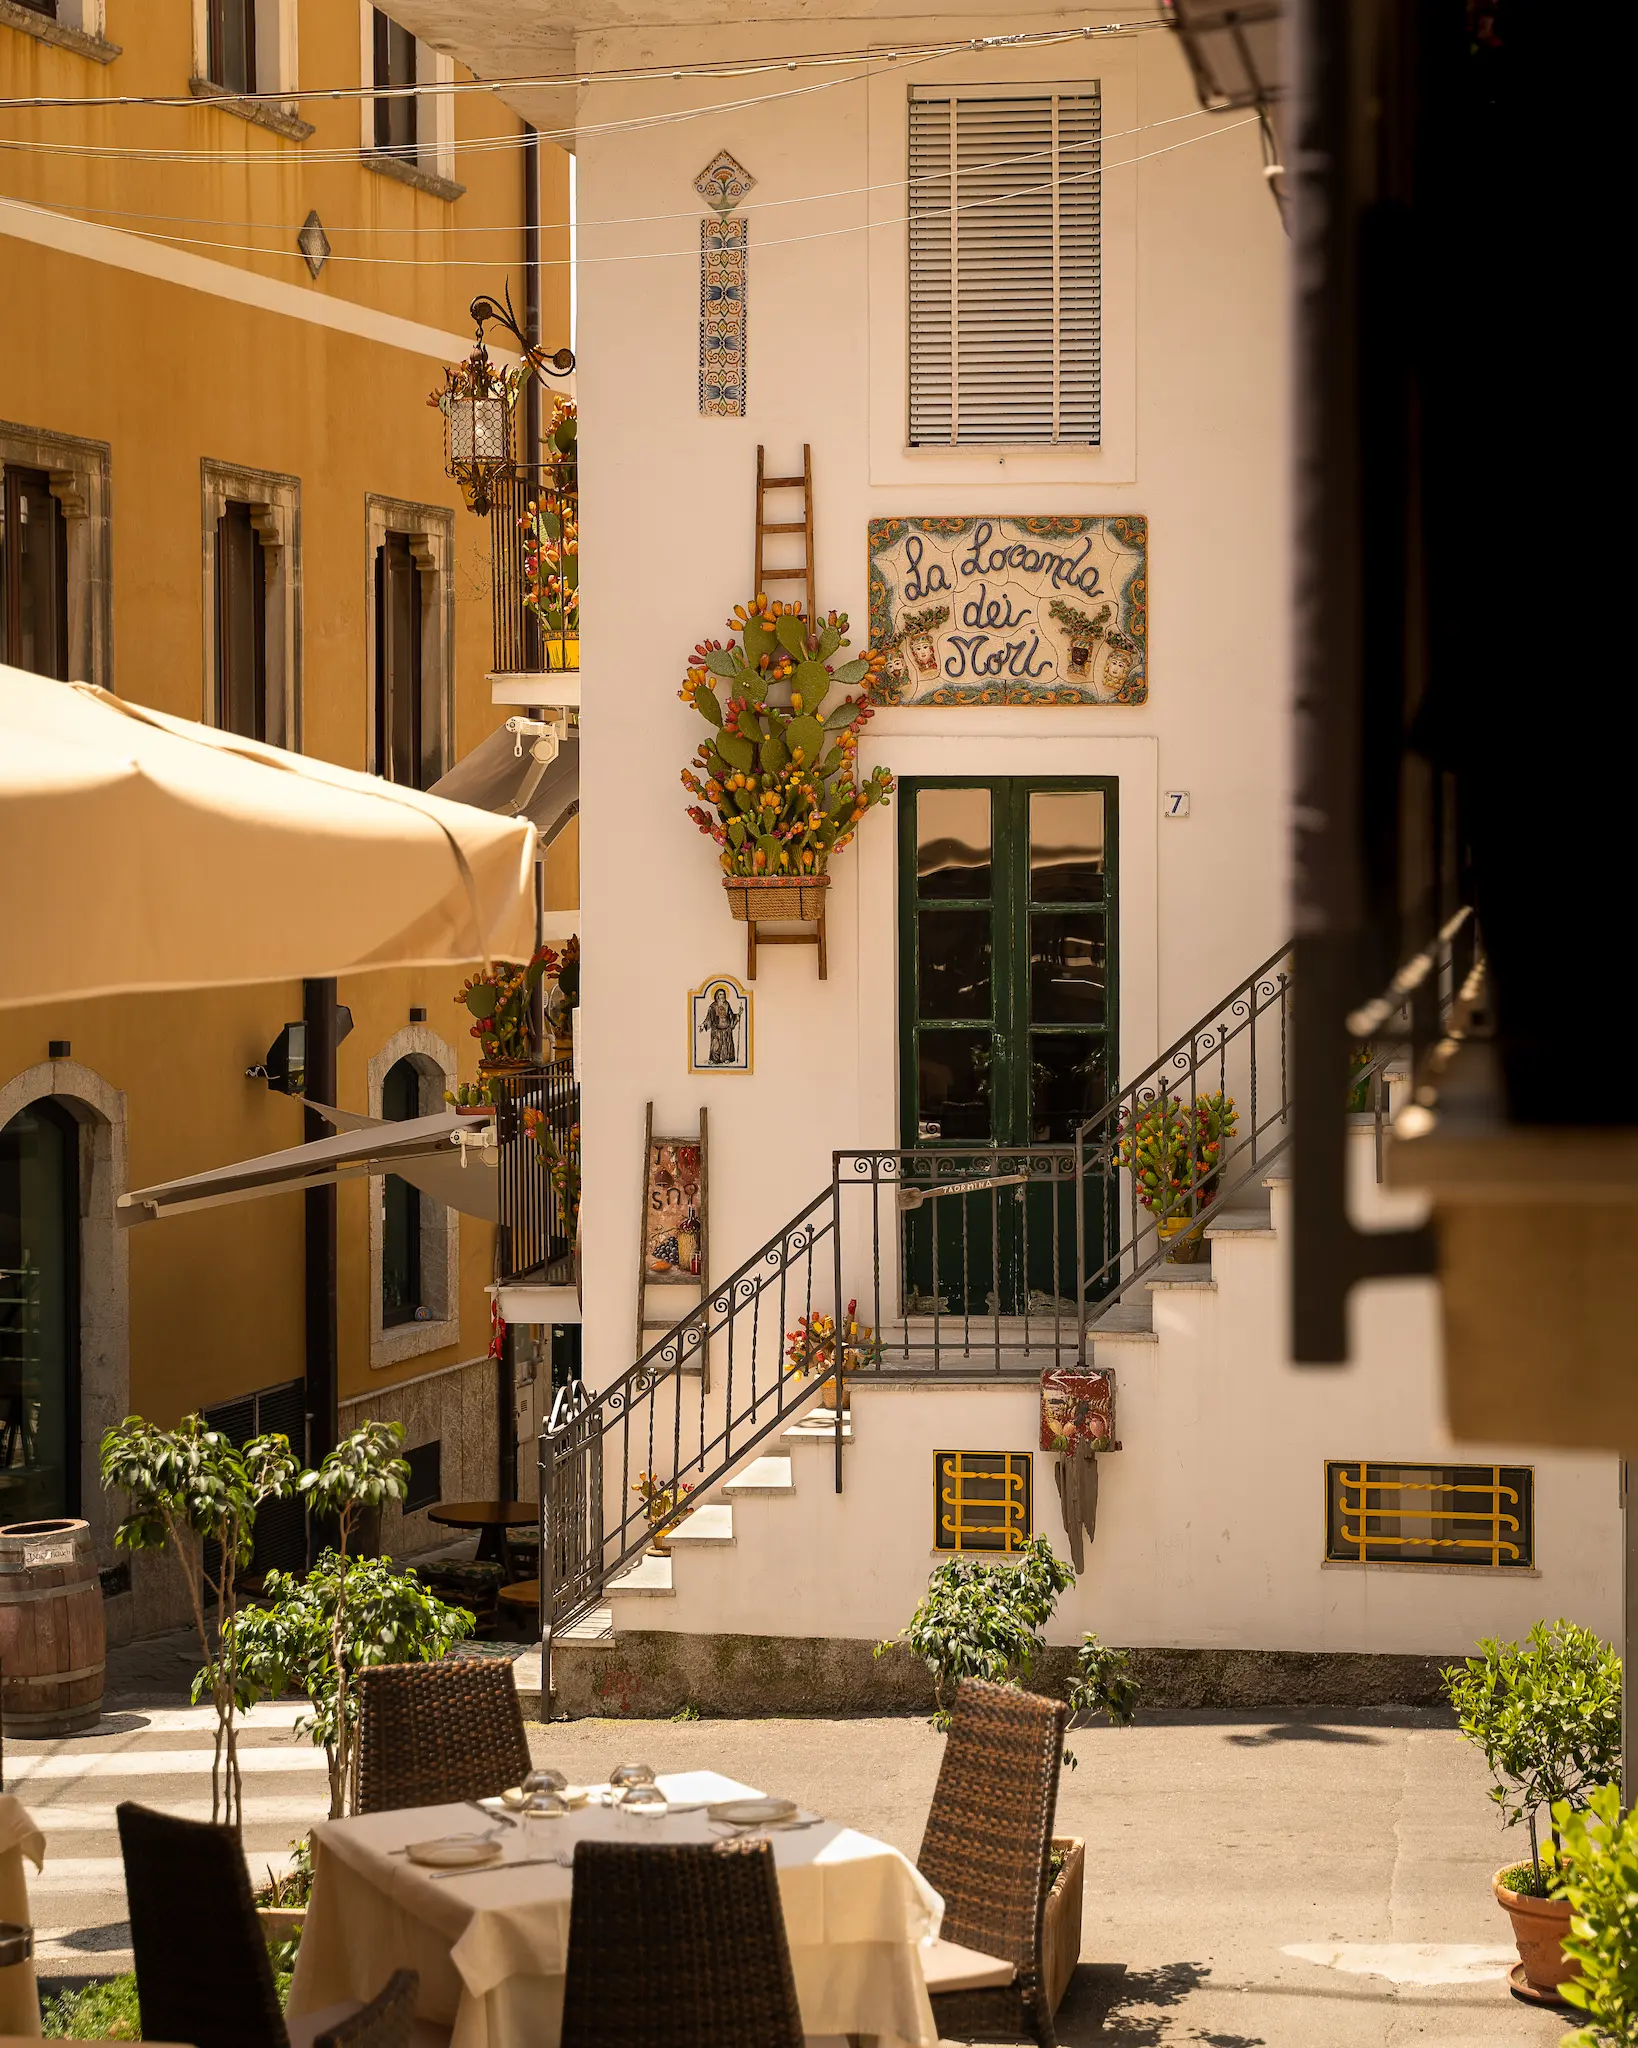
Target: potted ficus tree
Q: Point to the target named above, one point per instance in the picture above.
(1547, 1715)
(980, 1620)
(782, 784)
(1173, 1149)
(191, 1491)
(315, 1632)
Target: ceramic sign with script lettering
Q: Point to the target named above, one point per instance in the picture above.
(1050, 610)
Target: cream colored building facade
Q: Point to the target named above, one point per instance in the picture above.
(185, 400)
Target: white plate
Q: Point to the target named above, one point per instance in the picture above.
(511, 1800)
(752, 1813)
(455, 1852)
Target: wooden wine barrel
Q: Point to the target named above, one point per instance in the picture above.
(52, 1646)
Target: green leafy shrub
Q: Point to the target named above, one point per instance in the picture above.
(185, 1488)
(1600, 1857)
(1547, 1715)
(1105, 1683)
(984, 1620)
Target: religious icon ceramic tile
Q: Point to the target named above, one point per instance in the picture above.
(719, 1027)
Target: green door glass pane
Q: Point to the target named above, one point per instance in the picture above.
(954, 948)
(1067, 1083)
(955, 1073)
(1066, 845)
(954, 845)
(39, 1314)
(1068, 967)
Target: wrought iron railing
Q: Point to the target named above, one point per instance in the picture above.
(537, 1125)
(1236, 1057)
(534, 568)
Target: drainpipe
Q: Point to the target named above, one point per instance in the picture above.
(318, 1008)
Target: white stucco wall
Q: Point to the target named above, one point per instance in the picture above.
(1194, 438)
(1211, 1521)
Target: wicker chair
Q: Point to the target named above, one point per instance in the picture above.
(388, 2021)
(987, 1851)
(431, 1734)
(202, 1970)
(678, 1946)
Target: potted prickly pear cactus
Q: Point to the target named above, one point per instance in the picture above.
(781, 784)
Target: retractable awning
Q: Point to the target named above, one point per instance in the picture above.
(503, 774)
(147, 852)
(447, 1156)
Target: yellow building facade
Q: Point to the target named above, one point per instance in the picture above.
(221, 319)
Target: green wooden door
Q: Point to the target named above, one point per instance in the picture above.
(1007, 1017)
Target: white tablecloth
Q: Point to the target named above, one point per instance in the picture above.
(491, 1946)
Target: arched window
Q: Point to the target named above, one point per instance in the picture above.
(39, 1314)
(403, 1291)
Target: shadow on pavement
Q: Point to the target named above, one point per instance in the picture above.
(1302, 1731)
(1108, 2003)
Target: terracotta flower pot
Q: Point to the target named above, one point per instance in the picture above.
(1539, 1928)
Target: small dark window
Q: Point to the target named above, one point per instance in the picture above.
(395, 123)
(1430, 1514)
(46, 7)
(281, 1525)
(33, 576)
(401, 1288)
(981, 1500)
(232, 54)
(241, 625)
(425, 1464)
(406, 737)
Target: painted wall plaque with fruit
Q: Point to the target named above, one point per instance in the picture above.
(1047, 610)
(674, 1241)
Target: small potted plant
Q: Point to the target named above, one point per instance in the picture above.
(281, 1903)
(811, 1348)
(498, 999)
(1547, 1715)
(551, 547)
(658, 1502)
(1173, 1150)
(782, 786)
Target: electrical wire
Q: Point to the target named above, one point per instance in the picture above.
(667, 255)
(77, 207)
(485, 145)
(722, 67)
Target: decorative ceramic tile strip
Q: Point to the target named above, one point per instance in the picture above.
(722, 315)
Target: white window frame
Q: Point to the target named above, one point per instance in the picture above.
(278, 68)
(892, 459)
(79, 473)
(275, 503)
(431, 532)
(391, 1344)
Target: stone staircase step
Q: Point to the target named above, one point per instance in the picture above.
(1182, 1276)
(819, 1428)
(770, 1474)
(1131, 1322)
(651, 1574)
(711, 1524)
(1250, 1213)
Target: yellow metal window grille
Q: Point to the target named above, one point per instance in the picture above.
(1430, 1514)
(981, 1500)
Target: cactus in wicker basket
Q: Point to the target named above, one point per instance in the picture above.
(781, 785)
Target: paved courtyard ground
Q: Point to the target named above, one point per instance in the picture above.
(1295, 1881)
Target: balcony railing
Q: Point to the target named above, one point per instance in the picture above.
(534, 570)
(539, 1130)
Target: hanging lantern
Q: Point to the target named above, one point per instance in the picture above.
(476, 402)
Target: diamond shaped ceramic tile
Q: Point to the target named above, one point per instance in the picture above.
(723, 183)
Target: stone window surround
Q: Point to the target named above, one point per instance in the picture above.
(431, 532)
(80, 482)
(433, 170)
(276, 61)
(436, 1061)
(105, 1316)
(78, 27)
(275, 503)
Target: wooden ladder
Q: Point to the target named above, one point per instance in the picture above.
(803, 526)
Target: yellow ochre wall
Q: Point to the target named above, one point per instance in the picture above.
(167, 376)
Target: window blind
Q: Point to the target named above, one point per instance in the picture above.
(1004, 268)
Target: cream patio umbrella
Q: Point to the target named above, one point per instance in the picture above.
(145, 852)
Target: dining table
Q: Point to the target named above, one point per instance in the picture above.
(490, 1944)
